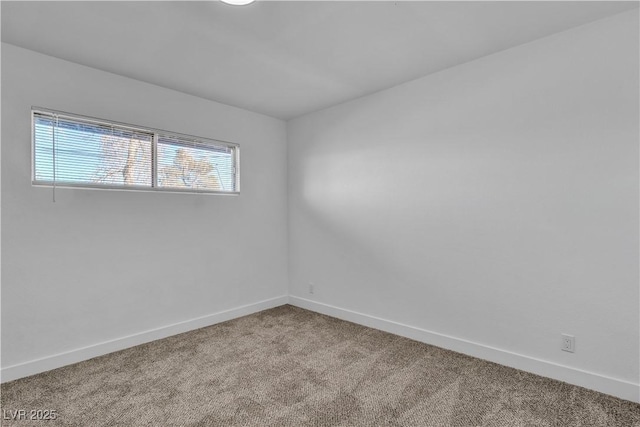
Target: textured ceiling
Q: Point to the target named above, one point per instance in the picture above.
(284, 59)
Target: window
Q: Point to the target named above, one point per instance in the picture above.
(185, 163)
(70, 150)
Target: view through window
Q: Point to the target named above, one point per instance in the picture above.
(73, 150)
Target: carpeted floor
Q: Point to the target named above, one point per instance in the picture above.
(292, 367)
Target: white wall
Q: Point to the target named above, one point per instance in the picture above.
(101, 265)
(491, 206)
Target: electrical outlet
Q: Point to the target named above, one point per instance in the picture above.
(568, 343)
(311, 288)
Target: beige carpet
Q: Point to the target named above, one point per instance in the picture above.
(292, 367)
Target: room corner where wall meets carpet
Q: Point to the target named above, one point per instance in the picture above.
(290, 366)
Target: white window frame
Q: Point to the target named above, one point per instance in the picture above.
(157, 133)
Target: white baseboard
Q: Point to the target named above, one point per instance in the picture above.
(604, 384)
(32, 367)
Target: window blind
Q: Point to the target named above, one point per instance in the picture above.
(71, 150)
(90, 153)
